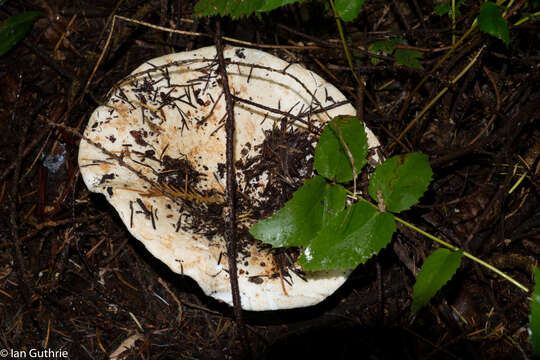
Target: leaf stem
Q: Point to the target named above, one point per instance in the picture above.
(349, 57)
(451, 247)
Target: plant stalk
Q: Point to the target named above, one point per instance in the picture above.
(450, 246)
(349, 57)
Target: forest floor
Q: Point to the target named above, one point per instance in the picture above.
(73, 278)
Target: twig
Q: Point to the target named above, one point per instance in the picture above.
(438, 96)
(233, 40)
(230, 223)
(437, 65)
(349, 58)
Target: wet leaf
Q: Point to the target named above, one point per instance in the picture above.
(15, 28)
(351, 237)
(535, 314)
(401, 180)
(297, 223)
(409, 58)
(331, 158)
(438, 268)
(491, 22)
(238, 8)
(348, 9)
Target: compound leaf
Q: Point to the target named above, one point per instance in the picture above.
(354, 235)
(535, 314)
(348, 9)
(401, 181)
(438, 268)
(297, 223)
(331, 158)
(15, 28)
(491, 22)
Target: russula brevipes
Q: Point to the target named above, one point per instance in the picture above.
(160, 162)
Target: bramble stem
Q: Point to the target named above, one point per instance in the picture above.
(466, 254)
(450, 246)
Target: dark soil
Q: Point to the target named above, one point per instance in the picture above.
(72, 278)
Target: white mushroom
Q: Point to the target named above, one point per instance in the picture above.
(165, 121)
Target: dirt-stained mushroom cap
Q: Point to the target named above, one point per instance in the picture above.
(162, 165)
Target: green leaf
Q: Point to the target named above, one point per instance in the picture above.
(348, 9)
(15, 28)
(238, 8)
(407, 57)
(535, 314)
(402, 180)
(438, 268)
(274, 4)
(2, 2)
(380, 47)
(331, 158)
(303, 216)
(491, 22)
(352, 237)
(446, 8)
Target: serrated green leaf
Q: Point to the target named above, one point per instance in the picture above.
(15, 28)
(438, 268)
(348, 9)
(331, 158)
(297, 223)
(491, 22)
(535, 314)
(238, 8)
(407, 57)
(402, 180)
(351, 237)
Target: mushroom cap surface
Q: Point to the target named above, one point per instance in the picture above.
(170, 113)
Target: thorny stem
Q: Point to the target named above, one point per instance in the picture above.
(449, 246)
(230, 224)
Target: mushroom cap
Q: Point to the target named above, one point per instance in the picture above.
(172, 107)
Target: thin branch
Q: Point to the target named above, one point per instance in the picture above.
(230, 221)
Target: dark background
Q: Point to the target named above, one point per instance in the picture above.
(71, 276)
